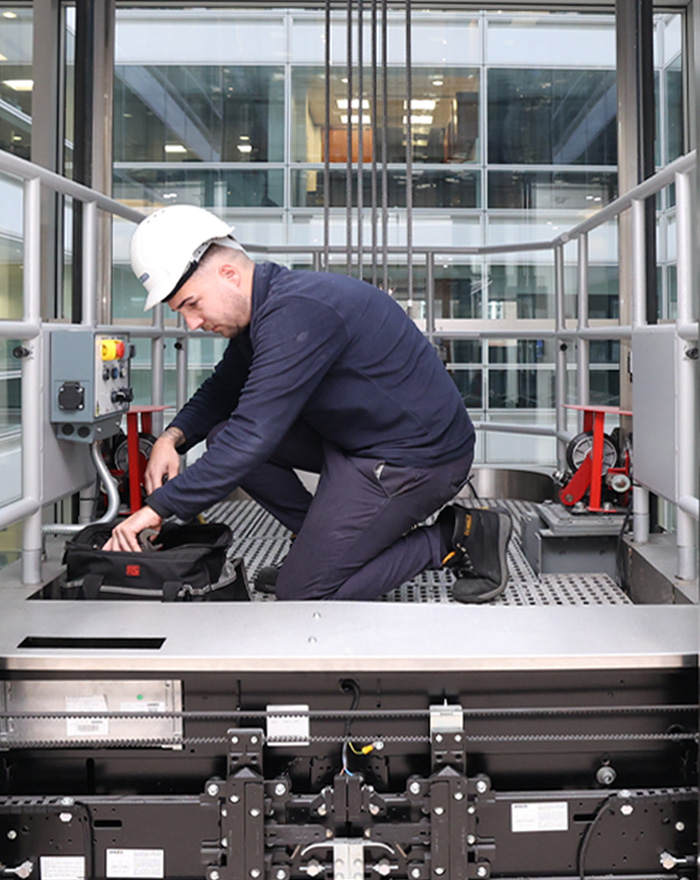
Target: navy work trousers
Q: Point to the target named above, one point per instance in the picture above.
(356, 536)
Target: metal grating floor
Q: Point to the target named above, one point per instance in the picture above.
(261, 540)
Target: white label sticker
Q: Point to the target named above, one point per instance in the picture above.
(87, 727)
(62, 867)
(288, 730)
(544, 816)
(130, 863)
(150, 706)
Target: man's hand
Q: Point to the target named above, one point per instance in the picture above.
(125, 535)
(164, 461)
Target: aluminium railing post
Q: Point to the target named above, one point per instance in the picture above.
(32, 389)
(89, 264)
(157, 369)
(583, 344)
(560, 355)
(430, 296)
(686, 367)
(640, 494)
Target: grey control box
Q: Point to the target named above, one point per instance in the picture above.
(90, 383)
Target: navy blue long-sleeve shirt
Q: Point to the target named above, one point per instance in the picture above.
(331, 350)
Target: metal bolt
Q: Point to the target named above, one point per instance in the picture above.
(255, 812)
(439, 871)
(234, 799)
(415, 873)
(65, 817)
(316, 615)
(680, 826)
(471, 839)
(224, 842)
(627, 809)
(471, 809)
(458, 796)
(482, 786)
(281, 874)
(606, 775)
(438, 739)
(255, 873)
(458, 737)
(212, 789)
(322, 810)
(439, 811)
(280, 789)
(213, 875)
(374, 809)
(414, 788)
(11, 834)
(482, 871)
(234, 740)
(311, 640)
(254, 740)
(67, 801)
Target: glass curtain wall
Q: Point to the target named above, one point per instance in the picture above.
(15, 137)
(513, 121)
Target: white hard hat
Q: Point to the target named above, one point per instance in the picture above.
(169, 243)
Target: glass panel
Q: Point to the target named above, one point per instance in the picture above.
(431, 189)
(459, 292)
(551, 190)
(522, 351)
(521, 389)
(16, 81)
(10, 423)
(444, 40)
(10, 544)
(157, 186)
(198, 113)
(198, 36)
(674, 110)
(11, 247)
(69, 89)
(573, 43)
(552, 117)
(444, 117)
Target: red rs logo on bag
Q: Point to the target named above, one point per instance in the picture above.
(133, 571)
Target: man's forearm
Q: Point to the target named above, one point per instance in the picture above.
(176, 435)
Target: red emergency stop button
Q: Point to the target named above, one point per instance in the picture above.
(112, 349)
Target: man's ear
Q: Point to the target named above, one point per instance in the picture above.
(230, 273)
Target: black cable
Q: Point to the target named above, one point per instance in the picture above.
(586, 839)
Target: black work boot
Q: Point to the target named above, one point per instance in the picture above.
(477, 554)
(266, 579)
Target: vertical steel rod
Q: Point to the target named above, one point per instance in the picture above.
(89, 264)
(583, 351)
(348, 158)
(686, 391)
(430, 296)
(640, 494)
(32, 387)
(560, 359)
(327, 144)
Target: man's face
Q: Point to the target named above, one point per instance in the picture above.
(216, 299)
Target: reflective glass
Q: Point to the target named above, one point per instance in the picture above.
(444, 116)
(434, 39)
(156, 186)
(551, 190)
(11, 247)
(521, 388)
(207, 113)
(459, 292)
(582, 41)
(552, 117)
(431, 189)
(16, 81)
(10, 423)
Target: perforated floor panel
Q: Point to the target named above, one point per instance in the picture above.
(262, 541)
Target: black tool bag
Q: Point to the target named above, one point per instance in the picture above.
(186, 563)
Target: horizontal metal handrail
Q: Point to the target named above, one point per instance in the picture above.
(11, 164)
